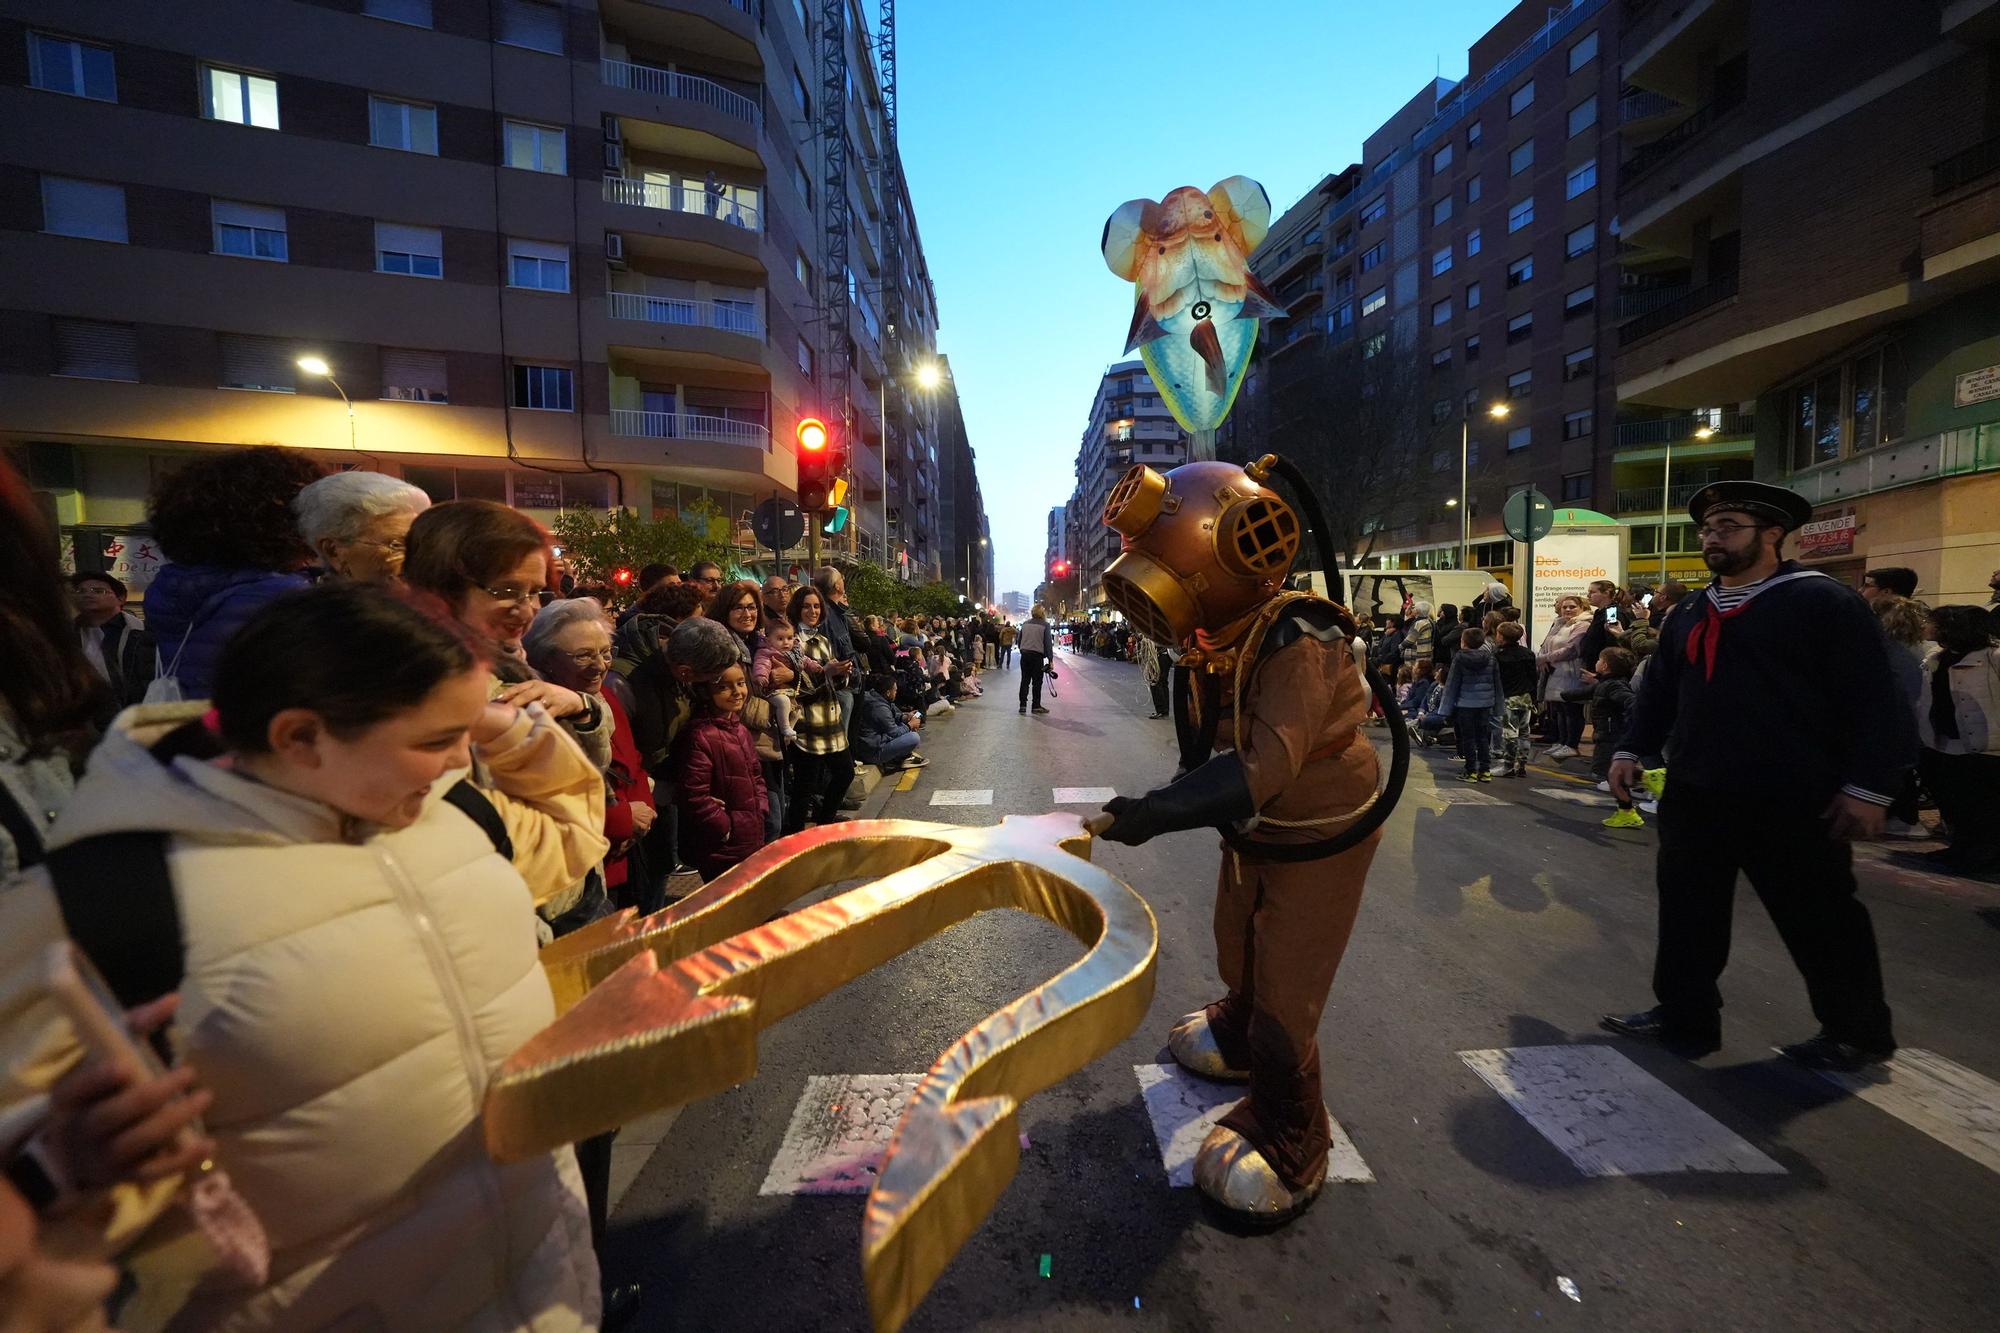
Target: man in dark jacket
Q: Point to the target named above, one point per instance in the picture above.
(113, 643)
(1444, 638)
(1790, 737)
(883, 734)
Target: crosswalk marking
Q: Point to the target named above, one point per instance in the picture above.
(969, 796)
(1084, 795)
(838, 1133)
(1183, 1108)
(1925, 1091)
(1610, 1117)
(1574, 795)
(1465, 796)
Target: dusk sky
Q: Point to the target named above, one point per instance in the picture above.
(1023, 125)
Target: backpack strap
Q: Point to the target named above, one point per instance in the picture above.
(117, 903)
(21, 828)
(472, 803)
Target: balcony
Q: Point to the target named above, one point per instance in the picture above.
(1651, 499)
(1962, 169)
(682, 426)
(728, 316)
(1950, 453)
(1692, 302)
(1674, 430)
(677, 198)
(1638, 106)
(1636, 301)
(724, 30)
(1650, 155)
(655, 82)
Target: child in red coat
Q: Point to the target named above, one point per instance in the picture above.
(721, 788)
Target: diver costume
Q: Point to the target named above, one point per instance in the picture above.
(1269, 703)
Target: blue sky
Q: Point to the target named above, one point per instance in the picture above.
(1024, 124)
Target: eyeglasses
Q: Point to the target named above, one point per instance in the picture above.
(583, 657)
(1725, 530)
(752, 607)
(519, 596)
(394, 546)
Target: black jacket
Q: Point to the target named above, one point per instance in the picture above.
(129, 659)
(1611, 702)
(1444, 641)
(1517, 669)
(1595, 639)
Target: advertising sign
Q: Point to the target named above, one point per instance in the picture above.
(1828, 536)
(1568, 560)
(134, 560)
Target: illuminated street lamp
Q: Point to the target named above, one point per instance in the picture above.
(316, 365)
(1701, 432)
(1496, 411)
(928, 376)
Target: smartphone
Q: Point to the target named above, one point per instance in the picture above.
(86, 998)
(1610, 615)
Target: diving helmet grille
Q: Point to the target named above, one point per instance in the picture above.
(1264, 536)
(1138, 608)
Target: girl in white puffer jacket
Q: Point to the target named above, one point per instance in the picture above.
(359, 960)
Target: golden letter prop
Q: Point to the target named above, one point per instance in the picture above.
(666, 1009)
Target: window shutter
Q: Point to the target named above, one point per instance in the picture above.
(83, 208)
(531, 24)
(409, 240)
(96, 351)
(257, 363)
(417, 377)
(232, 214)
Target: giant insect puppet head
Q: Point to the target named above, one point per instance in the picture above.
(1204, 546)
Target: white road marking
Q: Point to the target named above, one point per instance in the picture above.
(839, 1131)
(1084, 795)
(1183, 1108)
(1610, 1117)
(1465, 796)
(1575, 795)
(974, 796)
(1947, 1101)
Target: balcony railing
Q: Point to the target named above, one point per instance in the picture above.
(730, 316)
(1674, 430)
(683, 426)
(680, 199)
(1649, 155)
(686, 87)
(1649, 500)
(1966, 167)
(1644, 105)
(1696, 300)
(1636, 301)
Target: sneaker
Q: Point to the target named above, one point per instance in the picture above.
(1039, 709)
(1624, 819)
(915, 761)
(943, 706)
(1506, 770)
(1647, 807)
(1656, 781)
(1561, 752)
(1024, 710)
(1605, 785)
(1520, 772)
(1483, 776)
(1469, 775)
(1903, 828)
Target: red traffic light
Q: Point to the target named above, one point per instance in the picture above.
(813, 435)
(1059, 568)
(622, 576)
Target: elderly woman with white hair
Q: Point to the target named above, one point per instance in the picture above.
(357, 523)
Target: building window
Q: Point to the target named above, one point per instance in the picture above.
(1373, 255)
(1521, 214)
(1583, 51)
(1343, 286)
(1522, 98)
(1582, 178)
(88, 350)
(538, 265)
(249, 231)
(1440, 159)
(416, 252)
(1440, 261)
(1472, 348)
(1576, 486)
(1518, 438)
(1472, 242)
(90, 209)
(242, 99)
(1521, 327)
(409, 126)
(1374, 301)
(804, 182)
(1441, 359)
(1520, 271)
(1579, 302)
(1520, 384)
(1521, 158)
(799, 91)
(1373, 345)
(536, 147)
(1581, 362)
(1847, 409)
(1473, 189)
(1441, 311)
(802, 267)
(1472, 134)
(414, 377)
(1581, 241)
(1441, 211)
(1375, 209)
(1342, 316)
(1440, 409)
(1583, 115)
(805, 359)
(1472, 293)
(536, 26)
(416, 13)
(59, 65)
(264, 364)
(545, 388)
(1576, 425)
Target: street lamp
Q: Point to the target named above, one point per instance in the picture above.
(1667, 490)
(928, 376)
(1496, 411)
(316, 365)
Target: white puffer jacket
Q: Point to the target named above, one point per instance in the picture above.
(348, 994)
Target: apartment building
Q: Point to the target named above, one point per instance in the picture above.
(966, 538)
(1129, 423)
(554, 254)
(1811, 217)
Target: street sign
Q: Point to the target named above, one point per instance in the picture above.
(1528, 515)
(778, 524)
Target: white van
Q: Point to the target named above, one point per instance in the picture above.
(1381, 592)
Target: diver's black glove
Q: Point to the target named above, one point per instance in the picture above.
(1212, 795)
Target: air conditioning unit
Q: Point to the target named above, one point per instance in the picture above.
(614, 251)
(612, 134)
(614, 157)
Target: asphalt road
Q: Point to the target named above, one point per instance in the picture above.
(1502, 925)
